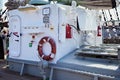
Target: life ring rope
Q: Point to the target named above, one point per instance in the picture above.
(53, 48)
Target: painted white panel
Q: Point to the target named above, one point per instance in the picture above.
(87, 19)
(32, 24)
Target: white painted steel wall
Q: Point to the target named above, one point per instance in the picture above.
(88, 22)
(87, 19)
(32, 23)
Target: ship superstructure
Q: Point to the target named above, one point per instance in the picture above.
(62, 42)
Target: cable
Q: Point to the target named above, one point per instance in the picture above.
(75, 28)
(78, 27)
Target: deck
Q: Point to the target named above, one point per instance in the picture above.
(6, 74)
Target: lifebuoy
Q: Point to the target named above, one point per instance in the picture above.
(53, 47)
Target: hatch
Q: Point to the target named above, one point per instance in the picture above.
(14, 39)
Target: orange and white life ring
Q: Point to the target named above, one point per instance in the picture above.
(53, 47)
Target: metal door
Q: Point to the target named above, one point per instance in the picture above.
(14, 27)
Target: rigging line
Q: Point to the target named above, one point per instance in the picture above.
(110, 15)
(117, 14)
(104, 17)
(112, 20)
(4, 11)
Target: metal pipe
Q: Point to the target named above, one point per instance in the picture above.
(96, 76)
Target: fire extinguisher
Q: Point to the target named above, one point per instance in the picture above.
(68, 31)
(99, 32)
